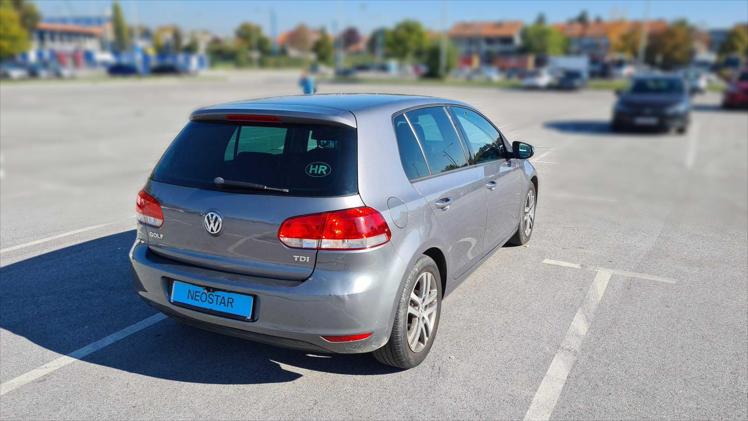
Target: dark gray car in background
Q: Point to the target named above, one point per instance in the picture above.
(330, 223)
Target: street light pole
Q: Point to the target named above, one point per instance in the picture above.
(644, 34)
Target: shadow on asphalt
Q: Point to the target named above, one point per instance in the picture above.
(597, 127)
(717, 108)
(66, 299)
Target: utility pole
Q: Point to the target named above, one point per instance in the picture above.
(644, 34)
(273, 31)
(443, 42)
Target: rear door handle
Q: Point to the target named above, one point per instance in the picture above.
(443, 203)
(491, 185)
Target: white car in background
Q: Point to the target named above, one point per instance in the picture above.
(696, 80)
(537, 79)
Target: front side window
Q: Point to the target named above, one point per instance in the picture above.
(440, 142)
(410, 153)
(482, 137)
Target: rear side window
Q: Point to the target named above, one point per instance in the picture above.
(482, 137)
(440, 142)
(306, 159)
(410, 153)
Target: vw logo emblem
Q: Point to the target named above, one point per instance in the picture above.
(213, 223)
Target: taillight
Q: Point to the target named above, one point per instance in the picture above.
(347, 229)
(148, 210)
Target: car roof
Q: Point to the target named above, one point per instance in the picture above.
(343, 101)
(341, 108)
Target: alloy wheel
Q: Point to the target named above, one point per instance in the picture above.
(529, 213)
(422, 307)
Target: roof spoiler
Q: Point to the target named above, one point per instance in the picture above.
(271, 114)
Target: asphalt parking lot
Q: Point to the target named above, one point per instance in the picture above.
(631, 300)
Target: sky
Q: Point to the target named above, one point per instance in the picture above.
(223, 16)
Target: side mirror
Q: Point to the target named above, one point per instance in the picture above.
(522, 150)
(619, 91)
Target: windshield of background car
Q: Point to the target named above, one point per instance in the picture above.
(657, 86)
(306, 159)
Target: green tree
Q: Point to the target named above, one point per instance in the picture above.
(582, 18)
(28, 14)
(628, 43)
(433, 59)
(219, 50)
(375, 43)
(672, 47)
(177, 40)
(735, 43)
(250, 37)
(407, 40)
(13, 37)
(539, 38)
(301, 39)
(323, 48)
(350, 37)
(121, 33)
(192, 46)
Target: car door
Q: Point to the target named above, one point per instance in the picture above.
(488, 152)
(454, 190)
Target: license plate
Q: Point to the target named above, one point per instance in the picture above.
(224, 302)
(645, 121)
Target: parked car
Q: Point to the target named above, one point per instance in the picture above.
(486, 74)
(167, 69)
(571, 80)
(47, 70)
(653, 101)
(515, 73)
(736, 94)
(619, 69)
(537, 79)
(345, 72)
(695, 79)
(13, 71)
(332, 223)
(123, 69)
(40, 71)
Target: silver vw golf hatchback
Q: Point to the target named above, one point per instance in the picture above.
(333, 223)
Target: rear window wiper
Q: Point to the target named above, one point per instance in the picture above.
(220, 182)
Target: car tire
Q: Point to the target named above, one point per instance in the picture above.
(526, 216)
(402, 351)
(682, 129)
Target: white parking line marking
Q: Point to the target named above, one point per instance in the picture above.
(623, 273)
(553, 383)
(542, 155)
(55, 237)
(561, 263)
(79, 354)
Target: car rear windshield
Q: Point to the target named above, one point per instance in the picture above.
(657, 86)
(289, 159)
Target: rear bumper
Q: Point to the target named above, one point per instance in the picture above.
(286, 313)
(663, 121)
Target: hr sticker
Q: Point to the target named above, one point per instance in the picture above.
(318, 169)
